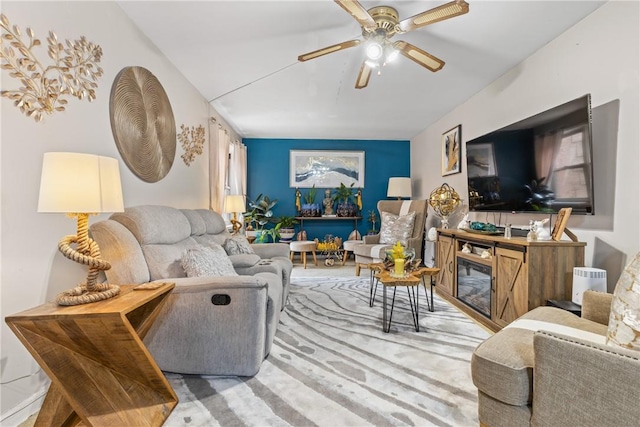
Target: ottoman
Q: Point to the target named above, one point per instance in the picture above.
(303, 246)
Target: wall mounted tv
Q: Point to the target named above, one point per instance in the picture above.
(540, 164)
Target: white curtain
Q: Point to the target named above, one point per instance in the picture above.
(218, 166)
(238, 169)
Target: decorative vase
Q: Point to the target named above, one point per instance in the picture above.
(286, 234)
(344, 209)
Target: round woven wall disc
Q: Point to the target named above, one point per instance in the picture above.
(142, 123)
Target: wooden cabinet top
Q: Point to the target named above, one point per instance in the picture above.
(126, 301)
(517, 241)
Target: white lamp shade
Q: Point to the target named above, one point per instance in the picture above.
(399, 187)
(80, 183)
(234, 203)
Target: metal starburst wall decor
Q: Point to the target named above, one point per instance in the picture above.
(44, 89)
(192, 141)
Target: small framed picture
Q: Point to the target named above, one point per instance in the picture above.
(451, 151)
(560, 224)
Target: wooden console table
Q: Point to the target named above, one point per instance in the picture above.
(101, 373)
(519, 275)
(355, 219)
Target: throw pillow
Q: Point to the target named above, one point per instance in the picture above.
(237, 245)
(394, 228)
(624, 320)
(207, 261)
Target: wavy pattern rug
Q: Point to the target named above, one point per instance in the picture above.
(331, 365)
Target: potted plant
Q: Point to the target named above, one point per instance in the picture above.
(261, 214)
(267, 233)
(310, 208)
(285, 224)
(344, 197)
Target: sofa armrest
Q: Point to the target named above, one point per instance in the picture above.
(371, 239)
(579, 382)
(271, 250)
(596, 306)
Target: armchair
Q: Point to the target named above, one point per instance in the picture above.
(562, 375)
(373, 251)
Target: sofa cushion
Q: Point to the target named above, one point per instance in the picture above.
(396, 228)
(213, 221)
(624, 320)
(122, 250)
(236, 245)
(164, 260)
(207, 261)
(377, 252)
(198, 227)
(244, 260)
(502, 366)
(152, 224)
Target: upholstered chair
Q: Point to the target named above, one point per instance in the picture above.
(394, 216)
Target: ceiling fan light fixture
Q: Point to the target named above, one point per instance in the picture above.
(374, 50)
(371, 63)
(391, 53)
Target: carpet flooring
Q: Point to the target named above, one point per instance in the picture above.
(331, 365)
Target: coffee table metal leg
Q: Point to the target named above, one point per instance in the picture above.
(386, 324)
(414, 303)
(430, 305)
(372, 291)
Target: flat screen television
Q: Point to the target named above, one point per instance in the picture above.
(540, 164)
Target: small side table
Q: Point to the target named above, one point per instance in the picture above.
(410, 282)
(101, 373)
(423, 272)
(569, 306)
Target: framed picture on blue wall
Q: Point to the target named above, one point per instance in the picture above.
(326, 169)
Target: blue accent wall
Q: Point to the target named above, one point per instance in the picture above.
(268, 173)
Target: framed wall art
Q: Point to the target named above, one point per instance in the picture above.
(325, 169)
(451, 151)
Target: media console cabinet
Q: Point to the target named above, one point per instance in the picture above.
(514, 276)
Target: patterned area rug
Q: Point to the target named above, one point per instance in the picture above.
(331, 365)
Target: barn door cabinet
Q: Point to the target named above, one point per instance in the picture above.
(523, 275)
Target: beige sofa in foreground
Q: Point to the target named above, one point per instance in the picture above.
(557, 378)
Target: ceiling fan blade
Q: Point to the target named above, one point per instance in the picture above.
(359, 13)
(328, 49)
(419, 56)
(440, 13)
(363, 76)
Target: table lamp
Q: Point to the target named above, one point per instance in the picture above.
(81, 185)
(234, 203)
(399, 187)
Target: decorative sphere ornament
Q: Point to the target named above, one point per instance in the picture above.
(444, 200)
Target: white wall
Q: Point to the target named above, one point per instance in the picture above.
(600, 56)
(32, 271)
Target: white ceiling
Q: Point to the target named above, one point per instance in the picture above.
(242, 56)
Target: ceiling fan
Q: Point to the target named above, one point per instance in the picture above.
(379, 25)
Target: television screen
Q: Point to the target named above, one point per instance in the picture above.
(539, 164)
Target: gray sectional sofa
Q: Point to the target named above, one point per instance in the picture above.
(210, 325)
